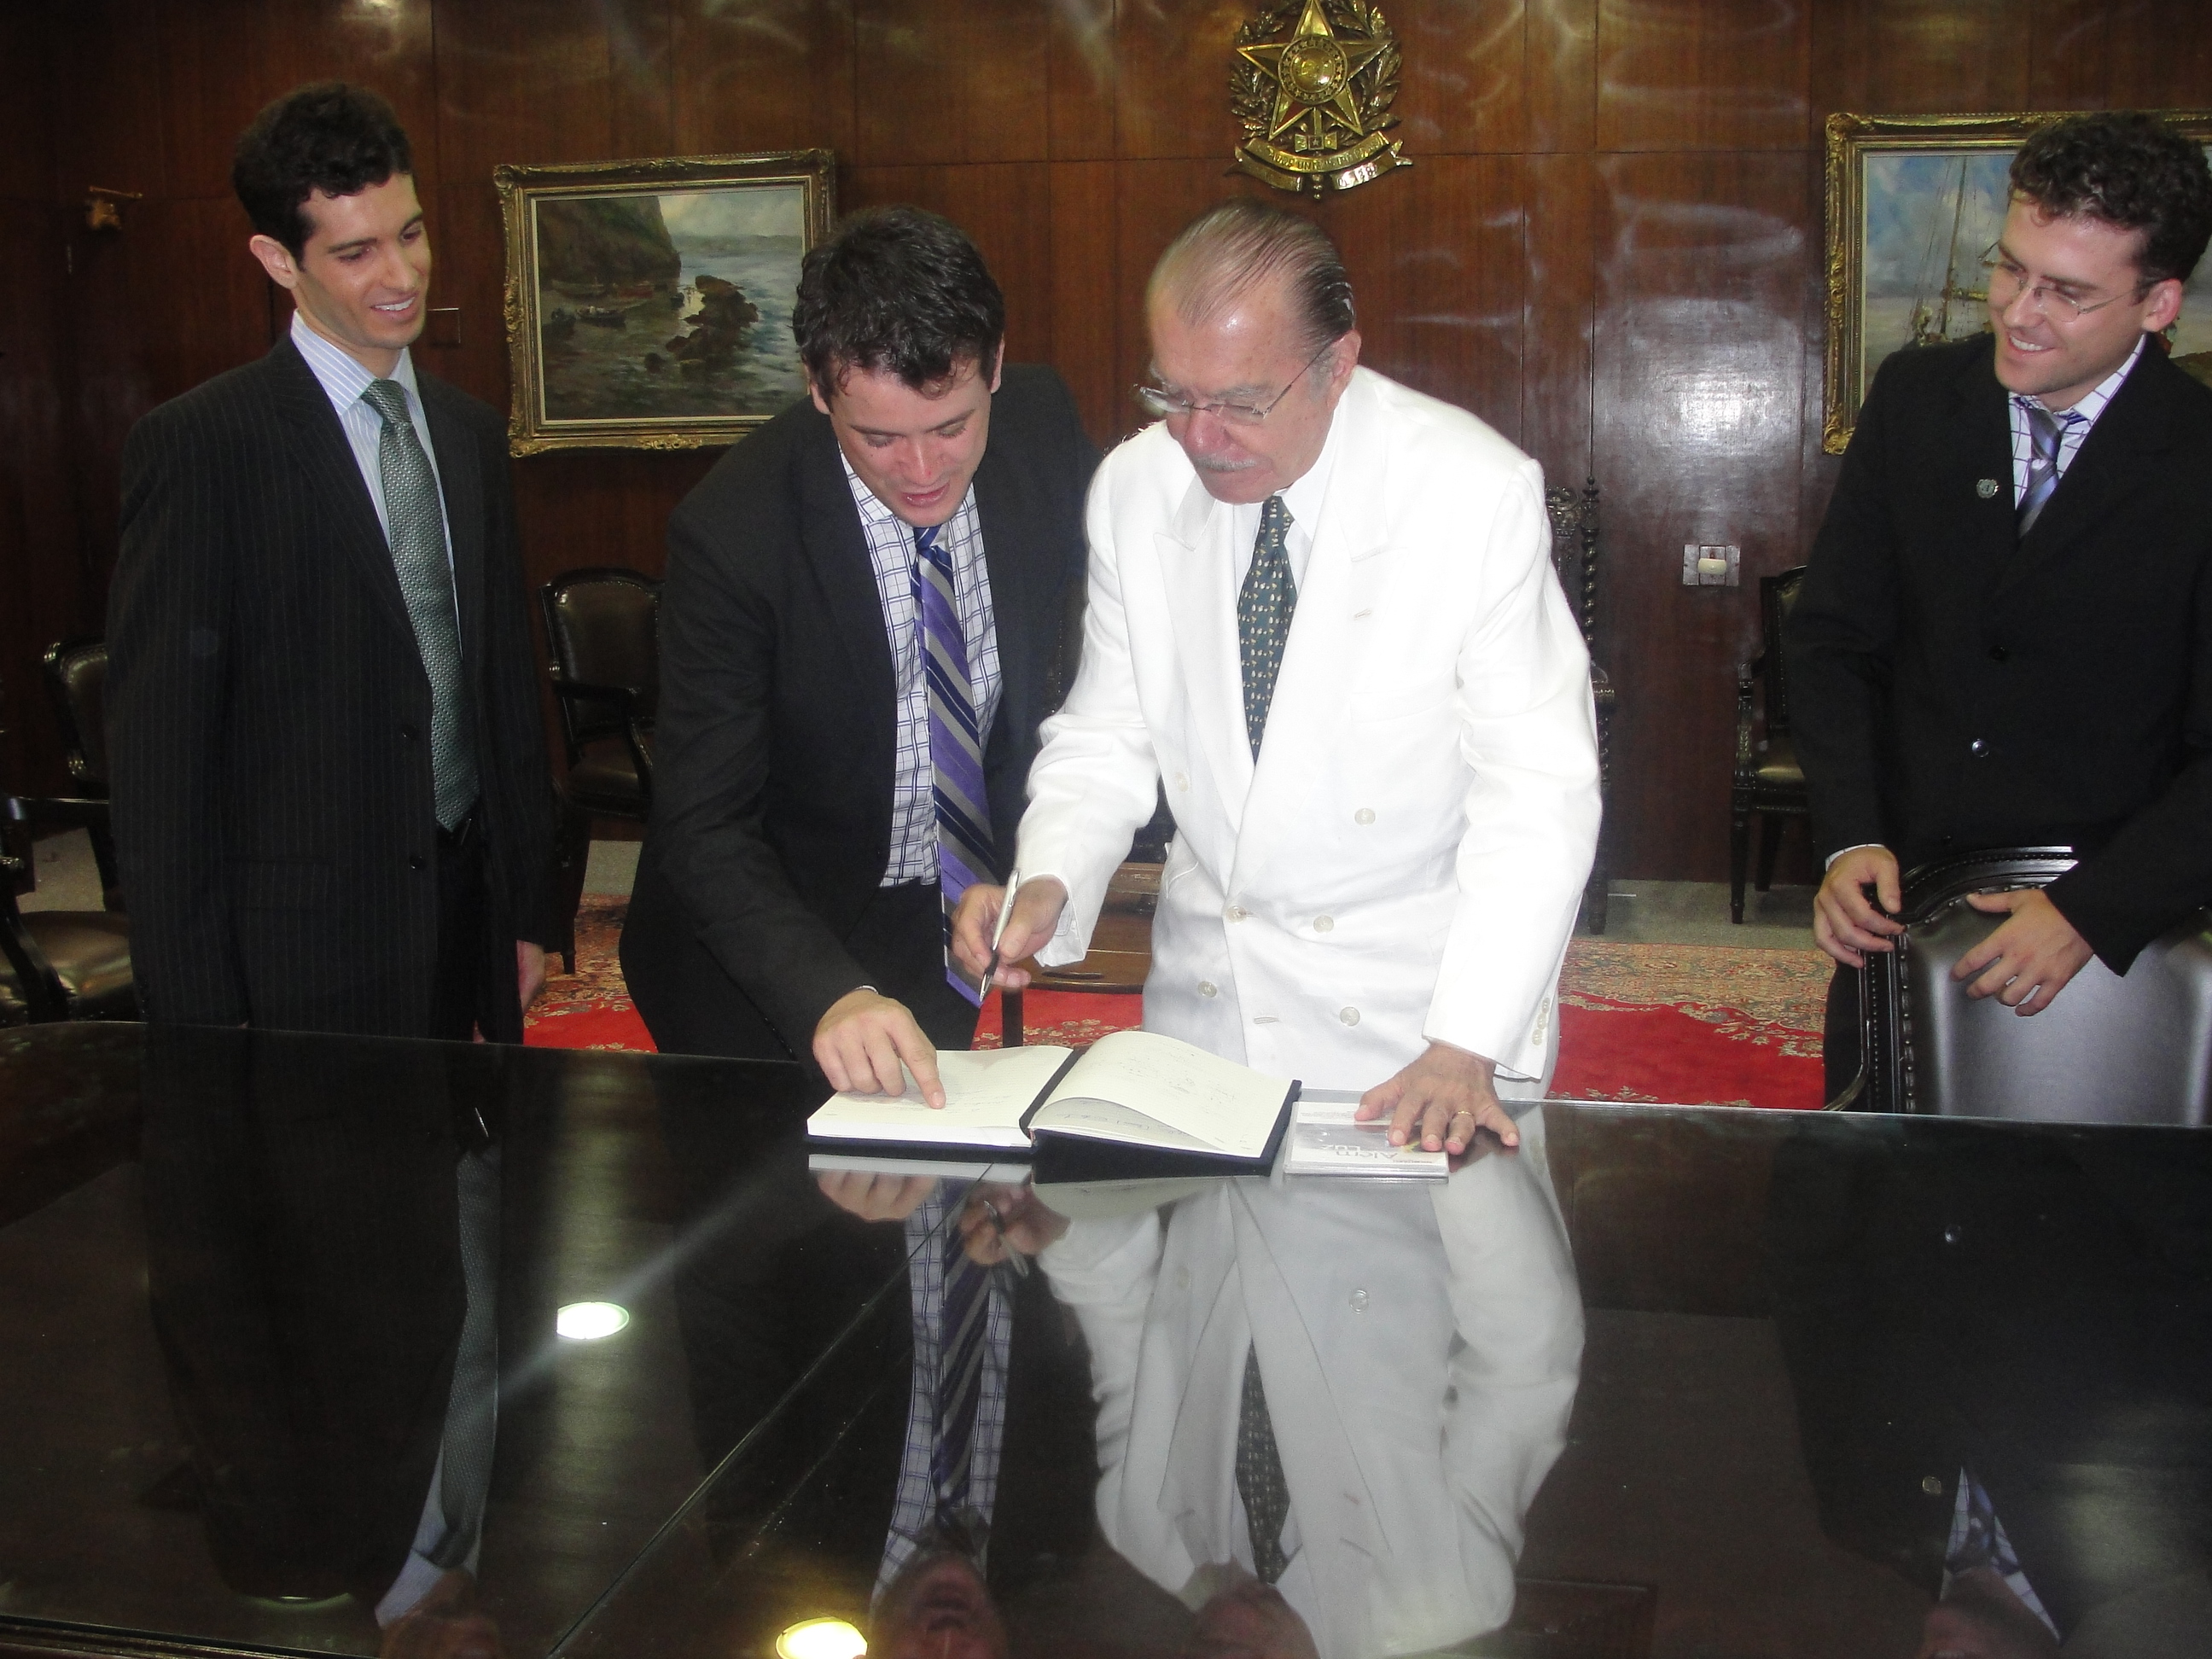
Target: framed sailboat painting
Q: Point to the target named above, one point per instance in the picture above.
(1914, 203)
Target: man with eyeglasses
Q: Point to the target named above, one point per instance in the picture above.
(1322, 614)
(2004, 637)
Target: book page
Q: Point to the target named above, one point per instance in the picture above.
(985, 1093)
(1224, 1107)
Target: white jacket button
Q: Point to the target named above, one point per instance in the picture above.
(1364, 815)
(1207, 988)
(1182, 780)
(1359, 1301)
(1322, 924)
(1235, 912)
(1349, 1016)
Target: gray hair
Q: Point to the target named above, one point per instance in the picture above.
(1229, 251)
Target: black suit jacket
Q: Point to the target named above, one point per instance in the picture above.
(1954, 687)
(773, 750)
(269, 717)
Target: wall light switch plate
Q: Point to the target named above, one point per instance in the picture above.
(1708, 565)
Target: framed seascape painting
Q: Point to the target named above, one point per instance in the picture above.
(648, 303)
(1913, 203)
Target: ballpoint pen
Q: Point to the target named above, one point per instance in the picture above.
(1006, 909)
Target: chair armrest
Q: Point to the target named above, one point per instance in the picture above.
(69, 812)
(44, 998)
(637, 728)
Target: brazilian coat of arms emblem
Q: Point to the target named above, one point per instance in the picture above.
(1313, 86)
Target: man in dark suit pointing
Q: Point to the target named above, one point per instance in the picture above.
(331, 795)
(863, 611)
(2004, 637)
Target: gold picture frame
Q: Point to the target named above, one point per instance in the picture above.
(648, 303)
(1911, 201)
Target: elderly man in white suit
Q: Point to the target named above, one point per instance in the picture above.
(1378, 856)
(1322, 612)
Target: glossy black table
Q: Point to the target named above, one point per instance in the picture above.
(229, 1274)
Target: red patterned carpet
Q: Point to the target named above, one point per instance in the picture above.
(1692, 1024)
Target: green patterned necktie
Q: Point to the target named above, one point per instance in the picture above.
(1263, 616)
(417, 531)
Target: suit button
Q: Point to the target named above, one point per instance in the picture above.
(1235, 912)
(417, 861)
(1322, 924)
(1359, 1301)
(409, 731)
(1364, 815)
(1931, 1486)
(1182, 780)
(1207, 988)
(1978, 750)
(1998, 653)
(1349, 1016)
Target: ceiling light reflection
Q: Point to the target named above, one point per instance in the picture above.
(588, 1322)
(821, 1638)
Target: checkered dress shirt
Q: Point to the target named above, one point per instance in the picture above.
(2070, 433)
(890, 549)
(913, 1511)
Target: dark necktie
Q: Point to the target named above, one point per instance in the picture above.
(956, 743)
(417, 531)
(1259, 1476)
(1263, 616)
(2045, 431)
(963, 1327)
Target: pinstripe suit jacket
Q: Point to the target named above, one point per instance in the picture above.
(269, 718)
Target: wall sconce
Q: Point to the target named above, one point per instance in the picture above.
(103, 208)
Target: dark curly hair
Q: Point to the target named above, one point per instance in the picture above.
(2129, 169)
(897, 290)
(330, 136)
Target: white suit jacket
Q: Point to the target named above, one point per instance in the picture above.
(1420, 1349)
(1404, 862)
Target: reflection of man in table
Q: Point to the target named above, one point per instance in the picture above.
(1419, 1348)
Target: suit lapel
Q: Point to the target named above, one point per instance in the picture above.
(330, 476)
(1986, 540)
(463, 489)
(837, 550)
(2129, 440)
(1002, 514)
(1198, 570)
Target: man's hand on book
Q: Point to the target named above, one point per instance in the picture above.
(861, 1042)
(1036, 915)
(1442, 1099)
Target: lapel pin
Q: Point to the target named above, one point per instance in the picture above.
(1986, 488)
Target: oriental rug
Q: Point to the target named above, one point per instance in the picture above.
(1688, 1024)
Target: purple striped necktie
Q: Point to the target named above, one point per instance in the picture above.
(2045, 432)
(955, 745)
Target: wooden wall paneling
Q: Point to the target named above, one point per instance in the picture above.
(1562, 74)
(108, 117)
(2069, 67)
(526, 82)
(641, 72)
(1561, 309)
(1702, 74)
(1080, 76)
(764, 75)
(1918, 57)
(1171, 79)
(949, 81)
(1436, 253)
(223, 60)
(588, 507)
(1465, 85)
(1085, 297)
(2158, 54)
(1702, 266)
(468, 273)
(1006, 208)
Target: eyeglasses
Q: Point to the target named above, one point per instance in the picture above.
(1166, 404)
(2007, 278)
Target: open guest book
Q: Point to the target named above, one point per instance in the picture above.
(1133, 1090)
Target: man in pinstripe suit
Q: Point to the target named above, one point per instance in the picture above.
(330, 794)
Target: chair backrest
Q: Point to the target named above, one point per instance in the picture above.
(603, 628)
(1574, 552)
(2109, 1049)
(76, 682)
(1777, 595)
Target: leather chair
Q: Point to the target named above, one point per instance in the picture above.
(1769, 783)
(1574, 557)
(56, 964)
(76, 686)
(2110, 1049)
(602, 627)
